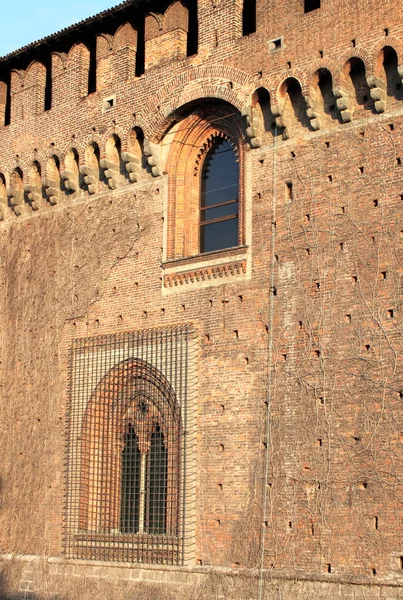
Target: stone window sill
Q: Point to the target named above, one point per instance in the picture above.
(205, 267)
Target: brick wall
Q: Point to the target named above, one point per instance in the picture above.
(305, 317)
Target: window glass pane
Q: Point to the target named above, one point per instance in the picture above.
(221, 211)
(220, 174)
(157, 485)
(217, 236)
(130, 495)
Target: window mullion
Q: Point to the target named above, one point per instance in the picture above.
(142, 500)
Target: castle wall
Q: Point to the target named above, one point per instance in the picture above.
(298, 352)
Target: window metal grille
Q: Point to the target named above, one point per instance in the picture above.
(128, 483)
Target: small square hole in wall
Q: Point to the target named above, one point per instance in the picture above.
(275, 44)
(310, 5)
(108, 103)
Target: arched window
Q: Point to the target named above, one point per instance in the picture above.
(144, 476)
(206, 196)
(219, 197)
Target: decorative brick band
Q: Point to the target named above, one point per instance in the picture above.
(205, 273)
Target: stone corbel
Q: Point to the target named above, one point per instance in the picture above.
(34, 194)
(313, 113)
(3, 204)
(378, 93)
(132, 166)
(17, 201)
(252, 128)
(70, 179)
(52, 190)
(90, 176)
(111, 171)
(153, 153)
(343, 104)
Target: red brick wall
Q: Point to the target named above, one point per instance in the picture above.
(318, 331)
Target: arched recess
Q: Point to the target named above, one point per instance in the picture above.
(111, 163)
(70, 173)
(33, 187)
(133, 154)
(355, 68)
(262, 106)
(327, 98)
(91, 170)
(195, 135)
(234, 87)
(53, 181)
(293, 105)
(17, 191)
(3, 196)
(394, 88)
(133, 396)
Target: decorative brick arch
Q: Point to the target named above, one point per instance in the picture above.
(377, 54)
(276, 83)
(224, 83)
(322, 63)
(115, 399)
(192, 140)
(341, 76)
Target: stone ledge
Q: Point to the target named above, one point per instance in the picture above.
(98, 568)
(205, 273)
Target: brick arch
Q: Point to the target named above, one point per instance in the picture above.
(377, 54)
(111, 131)
(103, 426)
(320, 63)
(278, 81)
(186, 153)
(341, 75)
(223, 83)
(74, 149)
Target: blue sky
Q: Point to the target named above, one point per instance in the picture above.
(26, 21)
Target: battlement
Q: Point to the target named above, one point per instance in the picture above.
(127, 69)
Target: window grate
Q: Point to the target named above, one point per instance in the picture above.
(128, 433)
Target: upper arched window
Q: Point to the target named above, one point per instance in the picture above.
(206, 196)
(219, 197)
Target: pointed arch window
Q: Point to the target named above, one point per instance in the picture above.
(144, 477)
(219, 197)
(127, 454)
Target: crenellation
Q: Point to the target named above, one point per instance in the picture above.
(116, 57)
(166, 35)
(3, 101)
(70, 75)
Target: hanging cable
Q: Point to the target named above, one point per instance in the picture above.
(270, 364)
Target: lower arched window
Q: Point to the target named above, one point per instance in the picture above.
(144, 484)
(126, 456)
